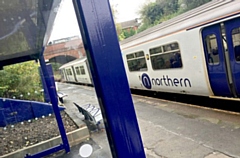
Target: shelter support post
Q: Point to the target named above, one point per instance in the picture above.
(54, 100)
(105, 59)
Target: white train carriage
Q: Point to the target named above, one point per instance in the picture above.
(77, 71)
(68, 73)
(195, 53)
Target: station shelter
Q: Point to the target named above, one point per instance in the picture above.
(24, 33)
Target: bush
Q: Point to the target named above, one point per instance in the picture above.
(21, 81)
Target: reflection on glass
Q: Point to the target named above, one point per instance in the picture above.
(77, 70)
(169, 58)
(236, 43)
(82, 70)
(136, 61)
(212, 49)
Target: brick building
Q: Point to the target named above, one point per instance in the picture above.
(64, 50)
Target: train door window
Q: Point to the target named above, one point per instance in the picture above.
(212, 48)
(70, 72)
(136, 61)
(166, 56)
(77, 70)
(82, 70)
(236, 43)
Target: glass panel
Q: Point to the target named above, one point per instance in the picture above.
(82, 70)
(166, 61)
(170, 47)
(236, 43)
(156, 50)
(137, 65)
(70, 72)
(23, 27)
(139, 54)
(212, 48)
(77, 70)
(130, 56)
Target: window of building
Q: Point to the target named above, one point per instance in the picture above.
(166, 57)
(136, 61)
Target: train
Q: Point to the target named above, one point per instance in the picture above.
(195, 53)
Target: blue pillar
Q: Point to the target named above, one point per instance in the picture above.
(51, 76)
(109, 76)
(54, 100)
(50, 85)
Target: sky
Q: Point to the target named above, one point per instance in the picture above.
(127, 9)
(66, 25)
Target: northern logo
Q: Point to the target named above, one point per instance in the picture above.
(146, 81)
(165, 80)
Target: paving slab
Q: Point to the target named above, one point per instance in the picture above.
(169, 129)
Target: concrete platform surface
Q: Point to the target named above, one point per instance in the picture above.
(168, 129)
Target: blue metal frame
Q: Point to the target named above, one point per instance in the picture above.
(235, 66)
(54, 100)
(46, 152)
(109, 76)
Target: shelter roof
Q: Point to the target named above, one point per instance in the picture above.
(25, 28)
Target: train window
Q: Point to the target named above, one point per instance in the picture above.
(236, 43)
(139, 54)
(156, 50)
(166, 57)
(169, 47)
(136, 61)
(77, 70)
(82, 70)
(69, 72)
(130, 56)
(212, 48)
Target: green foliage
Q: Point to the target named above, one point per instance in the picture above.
(156, 12)
(129, 32)
(150, 12)
(19, 46)
(56, 72)
(56, 66)
(117, 26)
(190, 4)
(21, 81)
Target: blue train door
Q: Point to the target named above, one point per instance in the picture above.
(233, 43)
(222, 59)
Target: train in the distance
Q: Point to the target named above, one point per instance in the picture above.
(195, 53)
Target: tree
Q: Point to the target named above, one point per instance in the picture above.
(156, 12)
(118, 26)
(21, 81)
(190, 4)
(151, 12)
(129, 32)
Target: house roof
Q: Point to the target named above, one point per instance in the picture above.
(130, 23)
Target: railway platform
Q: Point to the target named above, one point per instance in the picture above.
(168, 129)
